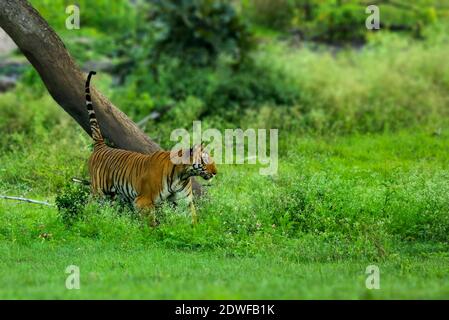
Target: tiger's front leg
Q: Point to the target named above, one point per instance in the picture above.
(186, 200)
(145, 206)
(193, 211)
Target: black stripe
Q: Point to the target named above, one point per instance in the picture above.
(171, 179)
(184, 185)
(94, 126)
(140, 164)
(122, 170)
(160, 154)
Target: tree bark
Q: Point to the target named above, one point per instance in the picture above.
(64, 79)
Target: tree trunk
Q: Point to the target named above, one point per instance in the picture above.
(64, 79)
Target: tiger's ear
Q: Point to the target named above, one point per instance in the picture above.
(179, 156)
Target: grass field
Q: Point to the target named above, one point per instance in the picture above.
(338, 205)
(154, 272)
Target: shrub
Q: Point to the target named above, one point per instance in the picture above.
(219, 90)
(252, 86)
(338, 22)
(268, 13)
(198, 31)
(71, 201)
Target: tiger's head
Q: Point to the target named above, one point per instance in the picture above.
(199, 163)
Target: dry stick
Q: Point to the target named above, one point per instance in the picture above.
(27, 200)
(152, 116)
(81, 181)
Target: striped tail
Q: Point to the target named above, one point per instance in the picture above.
(94, 127)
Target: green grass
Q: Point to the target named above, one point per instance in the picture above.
(152, 272)
(337, 205)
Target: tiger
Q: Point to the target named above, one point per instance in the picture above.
(144, 180)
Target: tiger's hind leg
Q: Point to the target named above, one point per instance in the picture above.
(145, 206)
(104, 197)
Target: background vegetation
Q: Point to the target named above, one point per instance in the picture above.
(363, 141)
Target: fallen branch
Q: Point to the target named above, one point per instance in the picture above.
(27, 200)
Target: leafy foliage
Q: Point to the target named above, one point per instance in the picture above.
(102, 15)
(340, 21)
(71, 201)
(273, 14)
(198, 31)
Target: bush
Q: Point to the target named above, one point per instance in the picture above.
(220, 90)
(71, 201)
(338, 21)
(252, 86)
(198, 31)
(268, 13)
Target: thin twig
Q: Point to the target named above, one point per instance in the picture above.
(27, 200)
(81, 181)
(152, 116)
